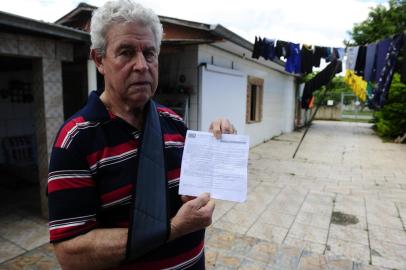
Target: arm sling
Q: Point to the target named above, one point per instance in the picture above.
(149, 224)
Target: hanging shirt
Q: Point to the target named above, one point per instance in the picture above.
(369, 71)
(360, 62)
(307, 59)
(282, 49)
(293, 63)
(352, 53)
(258, 48)
(381, 51)
(268, 52)
(381, 90)
(319, 52)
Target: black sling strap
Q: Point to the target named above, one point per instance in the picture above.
(149, 226)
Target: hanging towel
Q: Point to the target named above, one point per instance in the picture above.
(352, 53)
(293, 61)
(381, 90)
(258, 48)
(369, 71)
(149, 224)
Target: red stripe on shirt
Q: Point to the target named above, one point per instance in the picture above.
(116, 194)
(68, 127)
(67, 232)
(166, 263)
(174, 138)
(173, 174)
(70, 183)
(111, 151)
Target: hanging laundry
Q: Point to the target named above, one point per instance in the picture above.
(403, 70)
(357, 84)
(352, 53)
(381, 90)
(269, 49)
(321, 79)
(381, 51)
(329, 54)
(282, 49)
(369, 71)
(306, 55)
(319, 52)
(293, 62)
(258, 48)
(360, 63)
(341, 53)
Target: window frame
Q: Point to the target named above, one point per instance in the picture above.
(258, 103)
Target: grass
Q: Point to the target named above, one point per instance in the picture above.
(357, 113)
(355, 120)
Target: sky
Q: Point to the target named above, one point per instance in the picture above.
(316, 22)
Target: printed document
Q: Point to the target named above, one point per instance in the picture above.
(217, 166)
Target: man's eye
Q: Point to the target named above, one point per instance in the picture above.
(126, 53)
(149, 55)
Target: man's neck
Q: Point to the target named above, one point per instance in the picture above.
(133, 116)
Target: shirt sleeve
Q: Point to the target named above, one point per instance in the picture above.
(72, 195)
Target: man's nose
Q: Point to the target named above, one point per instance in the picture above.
(140, 64)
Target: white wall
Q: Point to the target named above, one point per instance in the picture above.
(278, 97)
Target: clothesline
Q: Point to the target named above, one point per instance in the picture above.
(299, 58)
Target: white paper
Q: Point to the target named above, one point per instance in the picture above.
(215, 166)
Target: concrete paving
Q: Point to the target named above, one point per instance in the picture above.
(340, 204)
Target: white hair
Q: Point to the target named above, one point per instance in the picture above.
(121, 11)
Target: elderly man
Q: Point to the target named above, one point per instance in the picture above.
(95, 163)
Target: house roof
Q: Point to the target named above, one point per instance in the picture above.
(12, 22)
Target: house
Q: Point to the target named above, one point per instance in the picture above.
(205, 71)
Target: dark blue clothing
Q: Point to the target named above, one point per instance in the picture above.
(369, 71)
(381, 90)
(293, 63)
(268, 49)
(381, 51)
(360, 63)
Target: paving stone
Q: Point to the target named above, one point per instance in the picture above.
(345, 233)
(354, 251)
(268, 232)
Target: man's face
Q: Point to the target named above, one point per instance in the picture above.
(130, 65)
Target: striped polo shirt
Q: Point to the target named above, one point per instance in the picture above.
(92, 172)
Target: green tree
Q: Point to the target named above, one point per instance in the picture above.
(391, 119)
(383, 22)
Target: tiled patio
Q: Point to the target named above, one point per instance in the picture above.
(340, 204)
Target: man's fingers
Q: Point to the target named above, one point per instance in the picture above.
(200, 201)
(209, 207)
(215, 128)
(186, 198)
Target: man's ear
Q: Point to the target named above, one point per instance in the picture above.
(98, 60)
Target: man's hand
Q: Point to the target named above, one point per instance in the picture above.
(195, 214)
(220, 126)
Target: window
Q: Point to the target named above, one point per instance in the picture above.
(255, 88)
